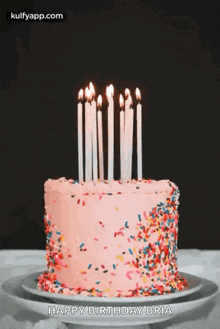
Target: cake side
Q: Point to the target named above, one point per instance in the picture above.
(118, 240)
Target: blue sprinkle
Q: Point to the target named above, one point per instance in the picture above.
(144, 240)
(139, 217)
(89, 266)
(58, 233)
(131, 252)
(109, 193)
(114, 266)
(82, 244)
(97, 282)
(155, 291)
(131, 236)
(126, 224)
(48, 222)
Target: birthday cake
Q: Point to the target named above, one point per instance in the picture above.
(113, 240)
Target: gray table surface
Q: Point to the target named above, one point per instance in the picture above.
(202, 263)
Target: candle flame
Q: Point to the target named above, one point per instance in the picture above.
(80, 95)
(130, 99)
(138, 94)
(99, 101)
(121, 100)
(92, 89)
(127, 92)
(88, 94)
(111, 90)
(108, 92)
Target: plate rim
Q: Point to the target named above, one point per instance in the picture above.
(79, 298)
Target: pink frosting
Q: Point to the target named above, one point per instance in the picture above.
(62, 185)
(100, 224)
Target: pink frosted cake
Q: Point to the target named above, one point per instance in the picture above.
(114, 241)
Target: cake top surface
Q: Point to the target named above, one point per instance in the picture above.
(147, 186)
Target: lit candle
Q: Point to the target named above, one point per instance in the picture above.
(126, 134)
(127, 101)
(100, 140)
(88, 139)
(109, 92)
(94, 134)
(130, 148)
(80, 134)
(139, 135)
(122, 130)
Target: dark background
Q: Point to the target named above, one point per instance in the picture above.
(170, 50)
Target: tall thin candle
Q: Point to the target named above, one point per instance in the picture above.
(139, 135)
(94, 134)
(88, 144)
(130, 152)
(122, 131)
(80, 137)
(126, 135)
(110, 92)
(100, 140)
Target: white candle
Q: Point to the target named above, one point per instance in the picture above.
(100, 140)
(139, 135)
(122, 131)
(88, 139)
(94, 135)
(126, 135)
(109, 92)
(130, 152)
(80, 134)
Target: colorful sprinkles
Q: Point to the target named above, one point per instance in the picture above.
(151, 265)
